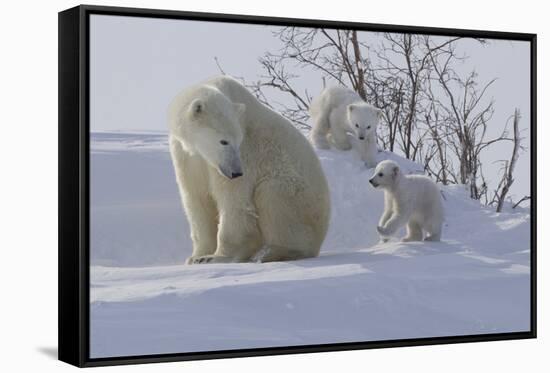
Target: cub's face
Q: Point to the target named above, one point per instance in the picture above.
(385, 175)
(363, 119)
(211, 128)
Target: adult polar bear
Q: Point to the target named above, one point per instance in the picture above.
(251, 185)
(338, 111)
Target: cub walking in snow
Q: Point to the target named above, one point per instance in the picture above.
(414, 200)
(337, 111)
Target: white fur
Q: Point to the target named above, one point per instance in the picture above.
(280, 205)
(338, 111)
(414, 200)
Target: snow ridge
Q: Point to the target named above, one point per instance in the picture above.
(144, 300)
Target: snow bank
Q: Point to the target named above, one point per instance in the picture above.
(144, 301)
(137, 218)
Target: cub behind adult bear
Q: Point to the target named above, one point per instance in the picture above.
(338, 111)
(251, 185)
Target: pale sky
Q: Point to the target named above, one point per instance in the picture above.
(137, 65)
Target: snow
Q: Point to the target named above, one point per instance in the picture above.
(144, 300)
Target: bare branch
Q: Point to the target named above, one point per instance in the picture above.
(508, 174)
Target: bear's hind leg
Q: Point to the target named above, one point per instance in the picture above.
(288, 228)
(433, 232)
(319, 142)
(339, 138)
(319, 132)
(434, 237)
(414, 232)
(273, 253)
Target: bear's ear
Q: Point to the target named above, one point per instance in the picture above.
(196, 107)
(239, 109)
(379, 113)
(395, 171)
(351, 107)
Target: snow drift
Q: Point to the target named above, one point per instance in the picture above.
(145, 301)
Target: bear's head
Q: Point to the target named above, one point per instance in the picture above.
(386, 175)
(208, 124)
(363, 119)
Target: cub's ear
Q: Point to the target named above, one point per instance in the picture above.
(395, 171)
(196, 107)
(351, 107)
(379, 113)
(239, 109)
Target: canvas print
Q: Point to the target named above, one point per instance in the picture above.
(260, 186)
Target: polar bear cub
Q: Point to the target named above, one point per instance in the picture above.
(414, 200)
(338, 111)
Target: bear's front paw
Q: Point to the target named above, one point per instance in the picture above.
(320, 143)
(411, 239)
(382, 231)
(207, 259)
(200, 259)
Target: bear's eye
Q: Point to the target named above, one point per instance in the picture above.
(380, 174)
(224, 142)
(357, 125)
(368, 127)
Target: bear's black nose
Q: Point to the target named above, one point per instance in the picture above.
(235, 175)
(361, 137)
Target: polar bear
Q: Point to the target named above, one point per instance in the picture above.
(251, 185)
(414, 200)
(337, 111)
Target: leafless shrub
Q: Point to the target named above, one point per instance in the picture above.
(431, 113)
(509, 165)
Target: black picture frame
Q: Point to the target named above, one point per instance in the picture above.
(74, 193)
